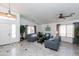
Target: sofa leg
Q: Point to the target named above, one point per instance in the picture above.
(52, 49)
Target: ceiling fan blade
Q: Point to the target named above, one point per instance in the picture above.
(61, 16)
(70, 15)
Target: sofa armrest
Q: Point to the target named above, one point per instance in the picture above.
(52, 44)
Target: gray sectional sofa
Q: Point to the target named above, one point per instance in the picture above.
(53, 44)
(32, 37)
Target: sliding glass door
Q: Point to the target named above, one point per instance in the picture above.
(66, 30)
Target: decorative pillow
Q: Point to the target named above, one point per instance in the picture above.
(51, 39)
(34, 35)
(47, 35)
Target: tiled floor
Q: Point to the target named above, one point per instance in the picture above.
(25, 48)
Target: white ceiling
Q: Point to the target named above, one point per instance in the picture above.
(42, 13)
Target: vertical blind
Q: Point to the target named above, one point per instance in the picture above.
(30, 29)
(13, 31)
(66, 30)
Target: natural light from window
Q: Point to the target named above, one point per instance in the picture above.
(30, 29)
(66, 30)
(13, 31)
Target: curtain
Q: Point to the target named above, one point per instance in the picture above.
(57, 29)
(76, 33)
(26, 31)
(35, 29)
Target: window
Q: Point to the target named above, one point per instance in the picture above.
(13, 31)
(70, 31)
(30, 29)
(66, 30)
(62, 30)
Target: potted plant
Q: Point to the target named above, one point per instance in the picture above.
(22, 30)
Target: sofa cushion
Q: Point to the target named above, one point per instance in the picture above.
(47, 35)
(51, 39)
(34, 35)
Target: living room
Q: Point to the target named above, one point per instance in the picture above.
(39, 29)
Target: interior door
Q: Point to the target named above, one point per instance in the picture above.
(4, 34)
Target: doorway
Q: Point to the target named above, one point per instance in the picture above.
(7, 33)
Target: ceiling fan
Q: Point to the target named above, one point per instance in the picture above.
(62, 16)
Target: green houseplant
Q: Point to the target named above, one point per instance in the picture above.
(22, 30)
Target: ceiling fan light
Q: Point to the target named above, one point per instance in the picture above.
(7, 16)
